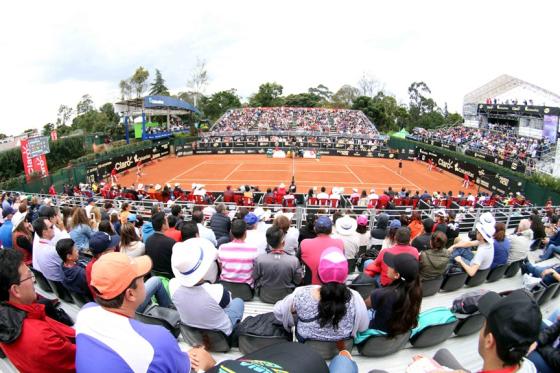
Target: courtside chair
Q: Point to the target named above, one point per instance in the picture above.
(381, 345)
(273, 295)
(454, 281)
(497, 273)
(479, 277)
(166, 317)
(431, 286)
(513, 268)
(212, 340)
(433, 335)
(238, 290)
(60, 291)
(328, 350)
(468, 324)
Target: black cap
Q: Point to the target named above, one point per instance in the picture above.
(514, 320)
(405, 265)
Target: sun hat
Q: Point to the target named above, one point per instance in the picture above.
(404, 264)
(17, 219)
(140, 186)
(114, 272)
(192, 259)
(487, 218)
(101, 241)
(362, 220)
(346, 225)
(251, 219)
(395, 224)
(514, 320)
(487, 231)
(323, 222)
(333, 266)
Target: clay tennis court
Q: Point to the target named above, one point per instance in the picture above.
(218, 171)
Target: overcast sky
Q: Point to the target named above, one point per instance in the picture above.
(53, 52)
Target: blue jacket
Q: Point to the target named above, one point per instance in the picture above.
(81, 235)
(6, 234)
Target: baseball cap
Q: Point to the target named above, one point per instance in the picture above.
(514, 320)
(323, 222)
(101, 241)
(395, 224)
(132, 218)
(251, 219)
(333, 266)
(90, 200)
(362, 220)
(404, 264)
(114, 272)
(8, 211)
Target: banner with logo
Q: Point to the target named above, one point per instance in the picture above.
(32, 165)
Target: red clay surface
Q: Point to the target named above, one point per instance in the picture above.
(218, 171)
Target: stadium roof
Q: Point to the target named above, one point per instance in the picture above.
(509, 87)
(156, 105)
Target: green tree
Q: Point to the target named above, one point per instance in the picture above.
(158, 86)
(64, 114)
(188, 97)
(420, 103)
(269, 95)
(383, 110)
(92, 121)
(303, 100)
(84, 105)
(47, 129)
(322, 92)
(345, 96)
(217, 104)
(138, 81)
(454, 118)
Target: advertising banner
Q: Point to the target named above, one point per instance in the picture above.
(32, 164)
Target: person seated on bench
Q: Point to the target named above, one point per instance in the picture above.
(201, 304)
(327, 312)
(484, 254)
(395, 308)
(74, 274)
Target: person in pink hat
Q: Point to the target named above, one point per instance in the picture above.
(327, 312)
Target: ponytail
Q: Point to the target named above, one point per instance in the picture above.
(332, 306)
(406, 307)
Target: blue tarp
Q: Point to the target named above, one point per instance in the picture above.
(168, 102)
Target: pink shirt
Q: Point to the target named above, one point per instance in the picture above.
(237, 258)
(311, 250)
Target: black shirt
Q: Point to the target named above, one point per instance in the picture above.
(382, 302)
(159, 249)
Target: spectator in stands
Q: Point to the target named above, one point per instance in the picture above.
(125, 211)
(378, 269)
(363, 201)
(220, 224)
(45, 257)
(95, 218)
(329, 312)
(228, 194)
(501, 246)
(81, 231)
(6, 228)
(159, 247)
(323, 195)
(107, 330)
(434, 260)
(485, 252)
(277, 269)
(291, 234)
(551, 242)
(200, 304)
(22, 236)
(389, 240)
(452, 231)
(346, 231)
(396, 307)
(415, 225)
(546, 355)
(131, 244)
(31, 340)
(537, 227)
(255, 237)
(198, 218)
(308, 230)
(372, 197)
(90, 205)
(190, 236)
(74, 274)
(172, 231)
(237, 257)
(520, 242)
(311, 249)
(379, 233)
(100, 243)
(550, 274)
(362, 230)
(511, 327)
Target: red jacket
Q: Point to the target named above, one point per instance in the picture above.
(44, 345)
(379, 266)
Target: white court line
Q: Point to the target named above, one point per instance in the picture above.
(304, 171)
(182, 173)
(221, 180)
(235, 169)
(407, 180)
(353, 174)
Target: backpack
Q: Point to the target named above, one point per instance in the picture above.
(467, 303)
(264, 325)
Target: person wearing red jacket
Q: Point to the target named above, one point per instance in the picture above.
(31, 340)
(378, 269)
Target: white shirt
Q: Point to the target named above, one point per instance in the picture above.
(207, 233)
(322, 195)
(257, 239)
(372, 196)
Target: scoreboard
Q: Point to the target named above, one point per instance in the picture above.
(37, 146)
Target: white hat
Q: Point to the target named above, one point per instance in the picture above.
(17, 219)
(192, 259)
(372, 190)
(193, 186)
(355, 190)
(487, 231)
(140, 186)
(168, 185)
(346, 225)
(208, 211)
(487, 218)
(281, 185)
(177, 184)
(157, 187)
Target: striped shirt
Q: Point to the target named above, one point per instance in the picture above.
(237, 258)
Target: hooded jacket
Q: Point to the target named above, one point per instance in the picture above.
(34, 342)
(379, 233)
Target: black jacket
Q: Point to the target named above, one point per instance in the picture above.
(220, 225)
(159, 248)
(550, 354)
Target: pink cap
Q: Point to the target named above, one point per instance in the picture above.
(333, 266)
(362, 220)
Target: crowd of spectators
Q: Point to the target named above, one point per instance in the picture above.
(498, 141)
(328, 121)
(105, 253)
